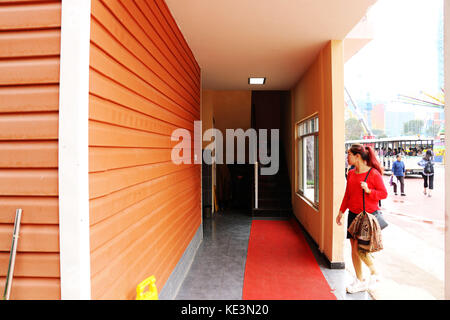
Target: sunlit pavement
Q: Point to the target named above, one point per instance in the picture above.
(412, 261)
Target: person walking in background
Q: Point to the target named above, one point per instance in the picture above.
(398, 170)
(428, 172)
(364, 159)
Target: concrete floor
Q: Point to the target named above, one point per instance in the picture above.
(217, 272)
(413, 260)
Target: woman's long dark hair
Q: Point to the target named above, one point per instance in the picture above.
(428, 155)
(368, 155)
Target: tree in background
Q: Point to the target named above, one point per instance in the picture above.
(353, 129)
(413, 127)
(436, 101)
(433, 130)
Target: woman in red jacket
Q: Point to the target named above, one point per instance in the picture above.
(363, 158)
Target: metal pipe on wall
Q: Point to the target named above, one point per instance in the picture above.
(12, 255)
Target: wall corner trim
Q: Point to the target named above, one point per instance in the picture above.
(73, 154)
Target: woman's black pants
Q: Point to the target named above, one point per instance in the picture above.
(428, 181)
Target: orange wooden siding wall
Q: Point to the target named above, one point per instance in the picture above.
(144, 83)
(29, 103)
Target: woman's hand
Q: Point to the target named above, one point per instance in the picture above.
(339, 218)
(365, 187)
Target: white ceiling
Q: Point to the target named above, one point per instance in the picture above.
(277, 39)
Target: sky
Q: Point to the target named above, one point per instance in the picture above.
(402, 57)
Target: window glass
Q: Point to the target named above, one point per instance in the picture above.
(309, 168)
(300, 165)
(308, 159)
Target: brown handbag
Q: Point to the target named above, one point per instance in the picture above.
(366, 229)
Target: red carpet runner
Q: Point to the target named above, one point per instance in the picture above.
(281, 266)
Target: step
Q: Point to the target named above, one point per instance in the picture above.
(272, 212)
(275, 190)
(276, 194)
(274, 184)
(274, 204)
(281, 178)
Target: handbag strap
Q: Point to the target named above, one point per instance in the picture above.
(364, 202)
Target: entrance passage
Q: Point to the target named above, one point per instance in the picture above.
(281, 266)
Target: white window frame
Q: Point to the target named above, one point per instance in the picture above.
(308, 127)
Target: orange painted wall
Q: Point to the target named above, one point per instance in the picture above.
(321, 91)
(29, 103)
(144, 83)
(231, 109)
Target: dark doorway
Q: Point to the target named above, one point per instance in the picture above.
(273, 192)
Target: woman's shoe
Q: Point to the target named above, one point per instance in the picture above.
(357, 286)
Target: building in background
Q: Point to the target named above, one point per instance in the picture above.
(378, 117)
(394, 121)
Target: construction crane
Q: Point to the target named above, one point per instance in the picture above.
(437, 101)
(354, 108)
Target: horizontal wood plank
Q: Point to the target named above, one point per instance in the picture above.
(34, 288)
(30, 15)
(33, 238)
(31, 264)
(40, 70)
(35, 210)
(28, 182)
(102, 159)
(29, 126)
(29, 154)
(27, 43)
(33, 98)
